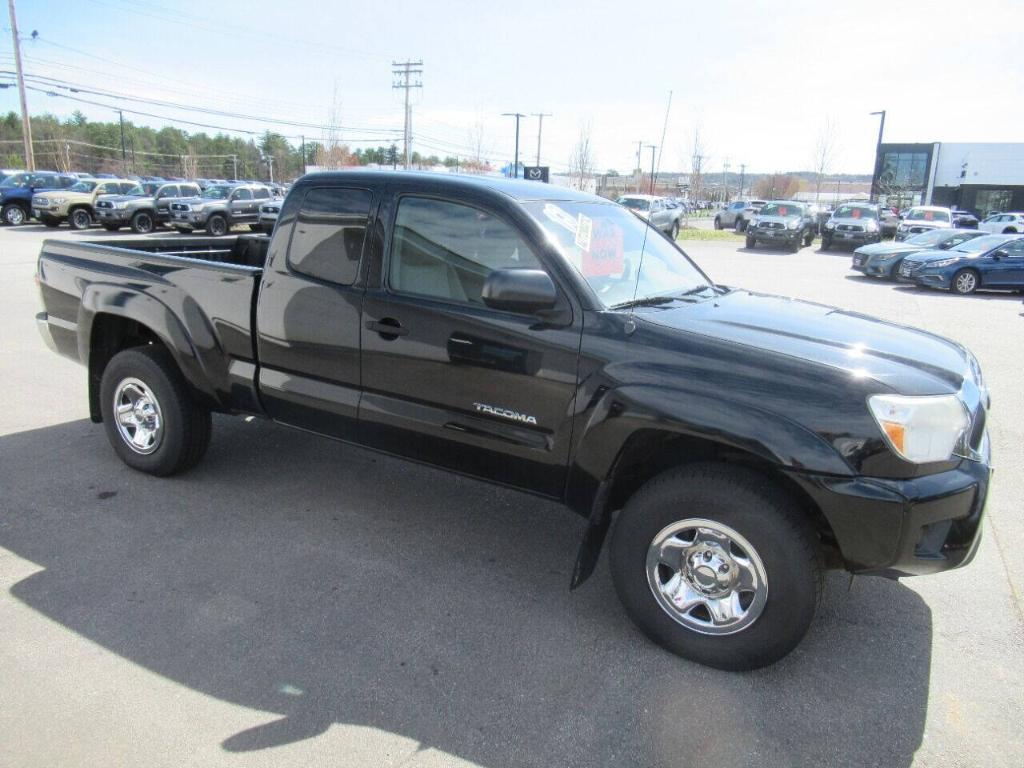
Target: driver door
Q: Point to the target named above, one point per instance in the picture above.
(243, 207)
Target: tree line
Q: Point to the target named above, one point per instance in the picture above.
(78, 144)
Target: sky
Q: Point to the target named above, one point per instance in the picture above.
(757, 80)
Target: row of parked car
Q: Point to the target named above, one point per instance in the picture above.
(140, 204)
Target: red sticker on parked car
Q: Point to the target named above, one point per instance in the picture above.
(783, 210)
(928, 215)
(855, 213)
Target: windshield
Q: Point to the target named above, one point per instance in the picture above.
(83, 186)
(216, 193)
(635, 203)
(780, 209)
(917, 214)
(980, 244)
(929, 238)
(603, 242)
(17, 180)
(137, 191)
(855, 212)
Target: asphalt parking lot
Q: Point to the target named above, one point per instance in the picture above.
(294, 601)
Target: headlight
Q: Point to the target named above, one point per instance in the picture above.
(752, 222)
(830, 225)
(121, 206)
(794, 224)
(922, 429)
(904, 227)
(943, 262)
(58, 200)
(871, 226)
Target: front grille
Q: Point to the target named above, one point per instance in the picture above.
(104, 204)
(41, 202)
(771, 225)
(919, 230)
(908, 268)
(850, 227)
(179, 207)
(270, 209)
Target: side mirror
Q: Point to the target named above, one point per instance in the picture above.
(1001, 253)
(519, 290)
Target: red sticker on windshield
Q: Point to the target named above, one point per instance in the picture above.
(606, 257)
(855, 213)
(928, 215)
(783, 210)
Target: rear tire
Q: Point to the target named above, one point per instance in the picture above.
(13, 215)
(809, 238)
(766, 533)
(740, 225)
(181, 428)
(674, 231)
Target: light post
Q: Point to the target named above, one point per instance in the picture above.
(517, 116)
(878, 155)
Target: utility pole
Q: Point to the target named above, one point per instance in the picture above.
(517, 116)
(652, 147)
(234, 166)
(743, 174)
(540, 126)
(270, 164)
(26, 122)
(639, 170)
(303, 154)
(878, 155)
(124, 152)
(405, 70)
(725, 181)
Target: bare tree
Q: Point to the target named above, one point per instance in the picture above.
(697, 158)
(477, 162)
(190, 163)
(332, 152)
(581, 161)
(824, 153)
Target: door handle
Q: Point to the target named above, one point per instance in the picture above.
(387, 327)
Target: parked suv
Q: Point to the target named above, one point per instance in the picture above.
(922, 218)
(738, 214)
(219, 208)
(77, 204)
(1003, 224)
(142, 207)
(661, 212)
(16, 193)
(782, 222)
(854, 223)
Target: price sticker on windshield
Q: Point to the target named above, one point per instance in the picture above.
(606, 257)
(929, 215)
(855, 213)
(783, 210)
(584, 232)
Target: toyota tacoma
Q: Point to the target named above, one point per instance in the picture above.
(733, 445)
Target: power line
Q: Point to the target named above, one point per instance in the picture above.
(405, 70)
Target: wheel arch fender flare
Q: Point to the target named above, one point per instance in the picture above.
(625, 415)
(191, 341)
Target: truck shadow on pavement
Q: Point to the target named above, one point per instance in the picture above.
(332, 586)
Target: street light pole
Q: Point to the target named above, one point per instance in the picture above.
(517, 116)
(878, 155)
(540, 126)
(652, 147)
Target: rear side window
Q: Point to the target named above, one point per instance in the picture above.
(446, 250)
(242, 194)
(188, 191)
(261, 193)
(327, 240)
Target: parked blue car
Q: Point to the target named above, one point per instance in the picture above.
(991, 261)
(16, 193)
(884, 259)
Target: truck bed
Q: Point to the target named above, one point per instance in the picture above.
(196, 293)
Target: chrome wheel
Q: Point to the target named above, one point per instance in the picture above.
(966, 282)
(139, 420)
(707, 577)
(15, 216)
(80, 219)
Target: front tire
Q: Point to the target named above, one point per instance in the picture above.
(826, 242)
(717, 564)
(718, 223)
(142, 223)
(217, 225)
(674, 231)
(80, 219)
(965, 282)
(740, 225)
(152, 421)
(751, 243)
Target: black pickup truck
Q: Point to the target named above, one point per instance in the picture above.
(736, 444)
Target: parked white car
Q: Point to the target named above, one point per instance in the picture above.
(1003, 223)
(922, 218)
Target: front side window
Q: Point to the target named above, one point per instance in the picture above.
(446, 250)
(242, 194)
(610, 246)
(83, 186)
(216, 193)
(17, 180)
(327, 240)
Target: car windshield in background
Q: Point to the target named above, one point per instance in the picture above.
(604, 243)
(780, 209)
(136, 191)
(932, 237)
(149, 188)
(216, 193)
(82, 186)
(980, 244)
(919, 215)
(635, 203)
(855, 212)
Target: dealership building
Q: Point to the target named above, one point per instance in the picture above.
(982, 178)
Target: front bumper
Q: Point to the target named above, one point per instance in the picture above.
(774, 235)
(872, 265)
(910, 527)
(853, 238)
(49, 211)
(112, 214)
(187, 219)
